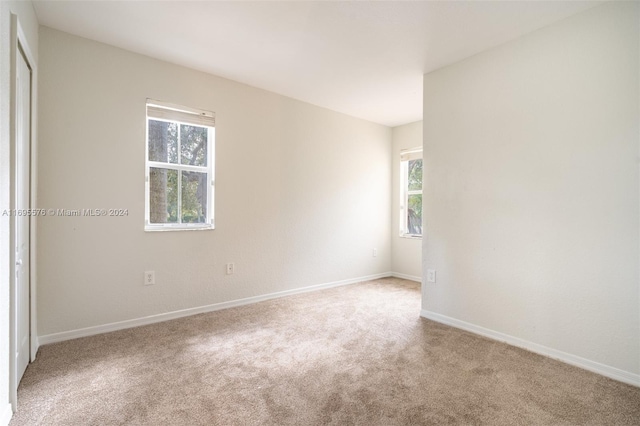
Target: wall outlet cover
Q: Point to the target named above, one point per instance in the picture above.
(149, 277)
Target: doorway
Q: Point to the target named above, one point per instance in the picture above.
(23, 339)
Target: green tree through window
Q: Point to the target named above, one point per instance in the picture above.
(414, 200)
(411, 170)
(179, 170)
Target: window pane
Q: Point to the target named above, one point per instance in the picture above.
(414, 214)
(193, 145)
(163, 141)
(415, 175)
(194, 197)
(163, 195)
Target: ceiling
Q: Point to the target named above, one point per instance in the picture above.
(362, 58)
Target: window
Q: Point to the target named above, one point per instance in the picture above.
(411, 193)
(179, 167)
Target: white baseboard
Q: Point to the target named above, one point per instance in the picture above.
(99, 329)
(407, 277)
(5, 416)
(596, 367)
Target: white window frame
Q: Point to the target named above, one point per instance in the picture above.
(405, 157)
(171, 113)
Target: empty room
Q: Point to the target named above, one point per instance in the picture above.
(319, 212)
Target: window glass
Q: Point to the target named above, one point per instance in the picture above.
(179, 166)
(411, 172)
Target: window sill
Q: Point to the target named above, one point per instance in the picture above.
(411, 237)
(178, 228)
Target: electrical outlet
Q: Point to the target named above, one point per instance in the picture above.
(431, 275)
(375, 252)
(230, 268)
(149, 277)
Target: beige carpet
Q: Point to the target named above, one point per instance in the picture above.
(354, 355)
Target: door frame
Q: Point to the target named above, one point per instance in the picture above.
(19, 42)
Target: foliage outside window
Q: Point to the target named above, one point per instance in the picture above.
(411, 193)
(179, 167)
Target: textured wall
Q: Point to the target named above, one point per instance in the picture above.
(532, 188)
(302, 193)
(406, 253)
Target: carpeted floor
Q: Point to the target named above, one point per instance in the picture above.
(353, 355)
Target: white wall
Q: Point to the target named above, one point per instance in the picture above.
(29, 24)
(302, 193)
(532, 184)
(406, 253)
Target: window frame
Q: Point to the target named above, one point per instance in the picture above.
(182, 117)
(405, 192)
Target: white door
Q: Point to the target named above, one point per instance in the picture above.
(23, 172)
